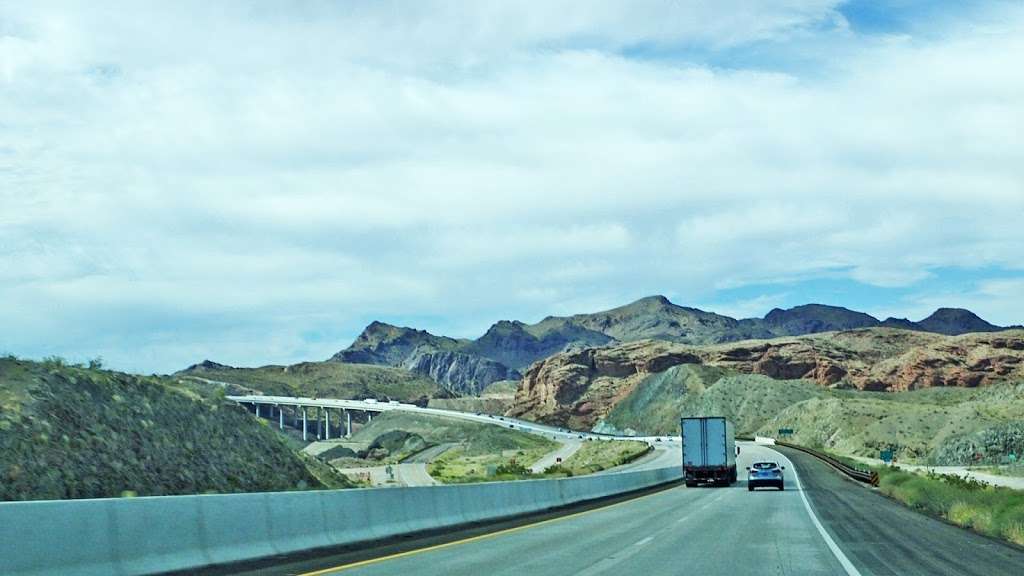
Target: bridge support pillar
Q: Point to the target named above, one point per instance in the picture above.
(348, 424)
(327, 424)
(304, 433)
(257, 409)
(280, 418)
(369, 417)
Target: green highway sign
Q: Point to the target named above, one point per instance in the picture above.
(886, 456)
(785, 431)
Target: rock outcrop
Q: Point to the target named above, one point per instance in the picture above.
(387, 345)
(463, 374)
(584, 385)
(439, 358)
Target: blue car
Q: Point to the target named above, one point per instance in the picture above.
(765, 474)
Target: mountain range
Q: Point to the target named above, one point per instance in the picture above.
(509, 347)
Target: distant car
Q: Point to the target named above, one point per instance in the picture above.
(581, 435)
(765, 474)
(657, 439)
(511, 425)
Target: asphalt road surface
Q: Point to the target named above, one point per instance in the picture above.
(567, 448)
(882, 537)
(821, 524)
(676, 531)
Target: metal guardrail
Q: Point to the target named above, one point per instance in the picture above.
(865, 476)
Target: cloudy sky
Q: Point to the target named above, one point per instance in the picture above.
(254, 182)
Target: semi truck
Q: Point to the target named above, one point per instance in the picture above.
(709, 451)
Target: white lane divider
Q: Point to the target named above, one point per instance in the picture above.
(620, 556)
(644, 541)
(848, 566)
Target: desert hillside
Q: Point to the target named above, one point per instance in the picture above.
(645, 386)
(76, 432)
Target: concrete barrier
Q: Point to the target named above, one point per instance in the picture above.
(145, 535)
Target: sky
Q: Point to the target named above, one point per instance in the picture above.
(254, 182)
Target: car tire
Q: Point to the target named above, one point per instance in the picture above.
(781, 487)
(691, 484)
(750, 488)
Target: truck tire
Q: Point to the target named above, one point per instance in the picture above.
(750, 488)
(690, 484)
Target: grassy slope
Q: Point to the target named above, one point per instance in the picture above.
(328, 379)
(601, 455)
(479, 445)
(71, 432)
(475, 438)
(459, 466)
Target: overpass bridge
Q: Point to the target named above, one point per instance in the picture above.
(270, 405)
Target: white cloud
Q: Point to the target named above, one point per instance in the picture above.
(194, 170)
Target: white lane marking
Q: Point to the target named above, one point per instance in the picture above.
(644, 541)
(851, 570)
(687, 516)
(624, 554)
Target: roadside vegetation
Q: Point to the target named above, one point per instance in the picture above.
(456, 466)
(989, 510)
(395, 436)
(598, 455)
(78, 431)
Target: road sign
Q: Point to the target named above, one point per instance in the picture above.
(886, 456)
(785, 431)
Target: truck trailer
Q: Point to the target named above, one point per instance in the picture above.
(709, 451)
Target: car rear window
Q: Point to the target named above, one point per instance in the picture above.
(764, 465)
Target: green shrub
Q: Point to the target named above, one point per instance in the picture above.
(512, 468)
(989, 510)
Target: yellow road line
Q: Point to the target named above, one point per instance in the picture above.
(407, 553)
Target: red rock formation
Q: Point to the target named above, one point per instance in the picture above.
(584, 385)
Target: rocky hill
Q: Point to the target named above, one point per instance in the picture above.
(319, 379)
(76, 432)
(447, 361)
(509, 347)
(945, 426)
(581, 387)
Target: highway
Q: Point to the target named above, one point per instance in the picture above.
(714, 531)
(823, 523)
